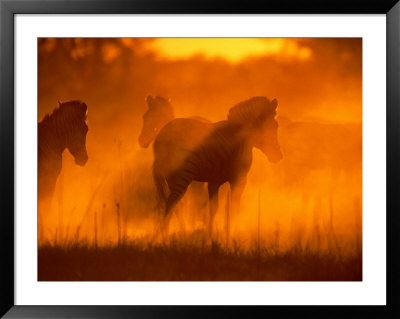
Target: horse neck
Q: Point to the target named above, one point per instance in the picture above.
(52, 138)
(246, 135)
(167, 120)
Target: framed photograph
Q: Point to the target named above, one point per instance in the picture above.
(167, 159)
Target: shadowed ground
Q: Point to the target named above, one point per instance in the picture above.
(183, 261)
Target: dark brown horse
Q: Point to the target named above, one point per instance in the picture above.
(323, 161)
(64, 128)
(188, 150)
(159, 113)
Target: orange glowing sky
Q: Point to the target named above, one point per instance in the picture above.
(233, 50)
(316, 81)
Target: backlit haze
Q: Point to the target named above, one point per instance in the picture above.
(311, 198)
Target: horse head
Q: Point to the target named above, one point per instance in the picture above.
(257, 116)
(267, 139)
(75, 114)
(159, 113)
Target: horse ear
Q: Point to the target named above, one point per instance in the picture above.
(59, 103)
(274, 103)
(84, 107)
(148, 99)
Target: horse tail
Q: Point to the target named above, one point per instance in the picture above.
(161, 185)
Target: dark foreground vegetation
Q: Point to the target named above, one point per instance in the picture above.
(182, 261)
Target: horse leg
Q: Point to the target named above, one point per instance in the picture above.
(198, 204)
(237, 188)
(179, 211)
(176, 193)
(43, 215)
(213, 197)
(40, 224)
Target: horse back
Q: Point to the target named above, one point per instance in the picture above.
(178, 140)
(187, 132)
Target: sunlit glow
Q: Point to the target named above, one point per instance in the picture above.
(231, 49)
(311, 201)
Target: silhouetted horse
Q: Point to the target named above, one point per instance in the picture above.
(159, 113)
(322, 160)
(310, 146)
(189, 150)
(64, 128)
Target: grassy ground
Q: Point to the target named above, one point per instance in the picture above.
(183, 261)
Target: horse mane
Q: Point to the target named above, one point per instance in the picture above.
(252, 111)
(73, 110)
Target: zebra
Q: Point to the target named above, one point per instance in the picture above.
(187, 150)
(159, 113)
(65, 127)
(321, 159)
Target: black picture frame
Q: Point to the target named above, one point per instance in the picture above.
(8, 10)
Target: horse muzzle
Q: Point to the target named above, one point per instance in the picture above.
(143, 142)
(275, 156)
(82, 159)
